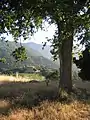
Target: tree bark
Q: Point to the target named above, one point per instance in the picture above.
(66, 65)
(65, 57)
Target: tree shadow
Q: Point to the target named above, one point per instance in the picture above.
(27, 95)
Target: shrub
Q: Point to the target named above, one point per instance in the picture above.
(53, 75)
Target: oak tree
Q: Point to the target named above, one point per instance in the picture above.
(72, 17)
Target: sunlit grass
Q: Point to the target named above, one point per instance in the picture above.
(32, 76)
(23, 77)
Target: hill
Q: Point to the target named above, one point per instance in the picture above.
(35, 58)
(45, 52)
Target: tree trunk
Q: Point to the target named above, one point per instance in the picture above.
(65, 57)
(66, 65)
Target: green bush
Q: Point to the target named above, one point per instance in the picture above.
(53, 75)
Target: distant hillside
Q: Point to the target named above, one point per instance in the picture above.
(45, 52)
(34, 57)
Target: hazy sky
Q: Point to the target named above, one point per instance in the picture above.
(40, 36)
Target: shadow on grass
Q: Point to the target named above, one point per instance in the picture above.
(25, 95)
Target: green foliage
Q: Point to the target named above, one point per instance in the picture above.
(50, 73)
(20, 54)
(54, 75)
(44, 71)
(3, 60)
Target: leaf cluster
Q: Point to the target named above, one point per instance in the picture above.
(19, 54)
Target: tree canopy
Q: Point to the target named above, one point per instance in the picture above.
(24, 17)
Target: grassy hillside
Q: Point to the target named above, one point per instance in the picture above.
(34, 57)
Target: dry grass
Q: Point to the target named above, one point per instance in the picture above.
(36, 101)
(20, 78)
(5, 78)
(52, 111)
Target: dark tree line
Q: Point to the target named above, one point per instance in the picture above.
(84, 64)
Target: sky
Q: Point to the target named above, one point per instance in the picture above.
(40, 36)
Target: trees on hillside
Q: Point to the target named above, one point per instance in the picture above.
(24, 17)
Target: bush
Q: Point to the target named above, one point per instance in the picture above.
(53, 75)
